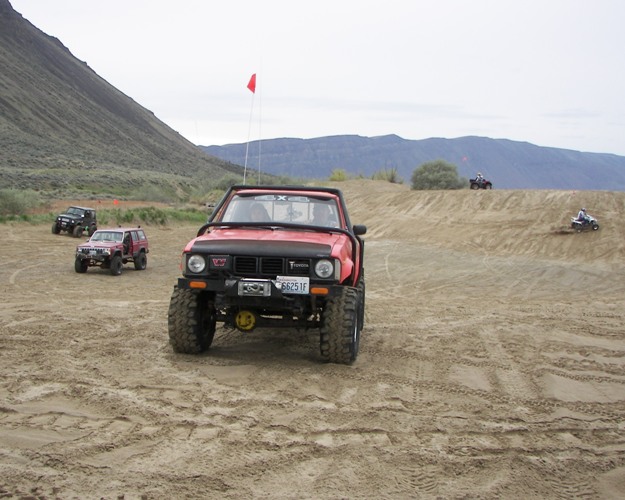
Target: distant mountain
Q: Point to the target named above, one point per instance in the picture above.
(508, 164)
(62, 126)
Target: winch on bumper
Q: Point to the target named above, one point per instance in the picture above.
(248, 303)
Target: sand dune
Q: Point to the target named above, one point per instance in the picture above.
(492, 365)
(528, 223)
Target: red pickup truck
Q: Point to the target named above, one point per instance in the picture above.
(272, 257)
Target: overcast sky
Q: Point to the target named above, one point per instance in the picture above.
(549, 72)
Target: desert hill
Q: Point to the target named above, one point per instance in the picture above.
(63, 125)
(523, 223)
(509, 164)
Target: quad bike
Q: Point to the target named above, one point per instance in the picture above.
(480, 184)
(588, 224)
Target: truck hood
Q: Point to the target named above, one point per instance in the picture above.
(270, 242)
(99, 244)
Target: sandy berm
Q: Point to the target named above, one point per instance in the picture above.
(492, 365)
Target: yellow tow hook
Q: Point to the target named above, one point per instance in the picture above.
(245, 321)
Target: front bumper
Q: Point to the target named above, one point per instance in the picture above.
(242, 289)
(94, 258)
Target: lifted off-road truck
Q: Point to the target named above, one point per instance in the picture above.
(75, 220)
(112, 248)
(273, 257)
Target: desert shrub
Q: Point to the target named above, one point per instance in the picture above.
(390, 175)
(151, 192)
(338, 175)
(227, 181)
(18, 201)
(189, 215)
(150, 216)
(437, 174)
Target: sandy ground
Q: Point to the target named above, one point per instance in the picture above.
(492, 365)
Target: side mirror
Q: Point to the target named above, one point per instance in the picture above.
(359, 229)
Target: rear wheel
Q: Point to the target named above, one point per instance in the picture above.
(191, 321)
(141, 262)
(116, 265)
(340, 327)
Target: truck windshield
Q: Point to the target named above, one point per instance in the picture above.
(75, 211)
(107, 236)
(294, 209)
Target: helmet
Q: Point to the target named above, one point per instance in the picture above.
(583, 209)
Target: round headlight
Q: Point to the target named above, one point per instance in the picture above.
(196, 264)
(324, 268)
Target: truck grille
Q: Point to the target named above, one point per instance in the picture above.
(98, 251)
(270, 266)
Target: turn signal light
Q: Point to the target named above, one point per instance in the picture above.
(318, 290)
(197, 284)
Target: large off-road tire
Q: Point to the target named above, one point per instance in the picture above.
(595, 226)
(116, 265)
(340, 327)
(361, 302)
(488, 185)
(92, 229)
(55, 228)
(77, 232)
(141, 262)
(191, 321)
(475, 185)
(81, 265)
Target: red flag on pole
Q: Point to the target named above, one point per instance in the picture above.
(252, 83)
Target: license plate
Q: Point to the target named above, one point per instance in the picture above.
(293, 284)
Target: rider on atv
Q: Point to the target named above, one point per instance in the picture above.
(582, 217)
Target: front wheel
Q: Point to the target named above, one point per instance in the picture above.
(116, 265)
(81, 265)
(77, 231)
(340, 327)
(191, 321)
(55, 229)
(475, 185)
(595, 226)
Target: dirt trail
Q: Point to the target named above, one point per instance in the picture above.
(492, 365)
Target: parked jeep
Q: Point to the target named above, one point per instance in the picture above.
(75, 220)
(111, 248)
(273, 257)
